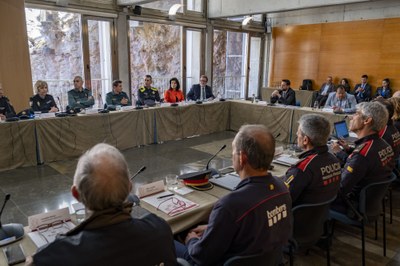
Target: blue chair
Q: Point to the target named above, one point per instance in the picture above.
(307, 232)
(370, 203)
(271, 258)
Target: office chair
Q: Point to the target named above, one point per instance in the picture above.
(307, 232)
(271, 258)
(182, 262)
(369, 209)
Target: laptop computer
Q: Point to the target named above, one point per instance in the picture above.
(342, 132)
(285, 160)
(228, 181)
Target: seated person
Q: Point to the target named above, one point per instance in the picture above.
(285, 95)
(341, 101)
(147, 94)
(255, 217)
(316, 177)
(117, 96)
(326, 88)
(385, 91)
(200, 92)
(389, 132)
(345, 83)
(362, 91)
(174, 94)
(6, 108)
(109, 235)
(395, 101)
(370, 160)
(43, 102)
(80, 97)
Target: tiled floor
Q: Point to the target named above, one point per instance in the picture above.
(47, 187)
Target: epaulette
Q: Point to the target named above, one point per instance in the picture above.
(303, 163)
(154, 89)
(363, 148)
(142, 89)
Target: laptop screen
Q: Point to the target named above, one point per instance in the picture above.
(341, 129)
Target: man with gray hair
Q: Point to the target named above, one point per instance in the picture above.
(253, 218)
(109, 235)
(370, 160)
(316, 177)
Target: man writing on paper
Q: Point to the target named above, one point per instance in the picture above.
(370, 161)
(341, 101)
(109, 236)
(253, 218)
(316, 177)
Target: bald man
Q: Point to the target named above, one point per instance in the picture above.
(253, 218)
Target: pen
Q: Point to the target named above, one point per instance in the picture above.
(165, 196)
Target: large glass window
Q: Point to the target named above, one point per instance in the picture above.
(254, 69)
(194, 5)
(155, 49)
(193, 57)
(55, 47)
(229, 63)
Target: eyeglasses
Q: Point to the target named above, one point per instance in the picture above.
(49, 231)
(175, 206)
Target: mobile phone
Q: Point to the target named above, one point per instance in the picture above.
(14, 254)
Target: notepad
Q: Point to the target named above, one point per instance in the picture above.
(171, 205)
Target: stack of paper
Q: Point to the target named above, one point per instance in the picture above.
(169, 203)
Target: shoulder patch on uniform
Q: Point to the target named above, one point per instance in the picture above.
(302, 164)
(154, 89)
(142, 89)
(349, 169)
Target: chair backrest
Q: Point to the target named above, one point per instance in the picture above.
(309, 221)
(307, 84)
(371, 196)
(271, 258)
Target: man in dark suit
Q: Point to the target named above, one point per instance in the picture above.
(285, 95)
(325, 90)
(200, 92)
(362, 91)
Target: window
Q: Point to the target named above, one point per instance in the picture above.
(229, 63)
(55, 47)
(162, 5)
(193, 57)
(155, 49)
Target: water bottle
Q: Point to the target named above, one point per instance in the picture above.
(316, 105)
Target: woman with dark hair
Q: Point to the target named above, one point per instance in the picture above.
(174, 93)
(385, 91)
(396, 115)
(345, 83)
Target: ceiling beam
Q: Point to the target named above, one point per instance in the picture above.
(232, 8)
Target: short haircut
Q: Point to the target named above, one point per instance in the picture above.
(40, 84)
(286, 81)
(116, 82)
(78, 77)
(376, 111)
(148, 76)
(257, 143)
(316, 127)
(102, 178)
(340, 87)
(364, 76)
(204, 76)
(178, 86)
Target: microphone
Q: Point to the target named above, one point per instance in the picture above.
(101, 105)
(277, 135)
(59, 102)
(9, 232)
(138, 172)
(208, 163)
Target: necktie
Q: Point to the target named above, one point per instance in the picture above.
(202, 94)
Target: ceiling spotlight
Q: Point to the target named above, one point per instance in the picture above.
(247, 21)
(172, 11)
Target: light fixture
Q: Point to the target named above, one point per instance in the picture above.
(172, 11)
(247, 21)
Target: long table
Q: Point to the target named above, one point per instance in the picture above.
(25, 143)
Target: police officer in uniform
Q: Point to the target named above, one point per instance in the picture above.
(371, 160)
(255, 217)
(147, 94)
(80, 97)
(6, 108)
(42, 101)
(316, 177)
(117, 96)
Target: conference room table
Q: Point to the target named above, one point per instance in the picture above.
(38, 141)
(179, 223)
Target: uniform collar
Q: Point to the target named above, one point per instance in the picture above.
(315, 150)
(254, 179)
(366, 138)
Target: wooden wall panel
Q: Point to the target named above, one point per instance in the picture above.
(15, 69)
(346, 49)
